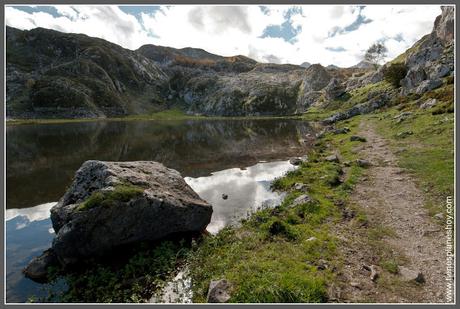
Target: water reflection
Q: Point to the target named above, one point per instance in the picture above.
(42, 159)
(247, 189)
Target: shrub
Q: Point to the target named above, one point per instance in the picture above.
(394, 73)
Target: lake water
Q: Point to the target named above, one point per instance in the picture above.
(238, 158)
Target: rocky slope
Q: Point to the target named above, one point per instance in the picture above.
(52, 74)
(428, 63)
(57, 75)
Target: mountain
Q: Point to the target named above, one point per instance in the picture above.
(63, 75)
(363, 64)
(54, 74)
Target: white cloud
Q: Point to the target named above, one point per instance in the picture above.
(231, 30)
(106, 22)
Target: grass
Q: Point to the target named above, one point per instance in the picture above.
(120, 193)
(166, 115)
(279, 255)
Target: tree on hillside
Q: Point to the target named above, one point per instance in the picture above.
(376, 53)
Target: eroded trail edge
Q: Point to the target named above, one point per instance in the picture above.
(398, 239)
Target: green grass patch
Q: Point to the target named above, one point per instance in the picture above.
(120, 193)
(166, 115)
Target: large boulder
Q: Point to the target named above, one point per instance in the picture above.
(334, 89)
(432, 57)
(110, 204)
(444, 24)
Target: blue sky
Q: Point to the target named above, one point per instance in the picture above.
(326, 34)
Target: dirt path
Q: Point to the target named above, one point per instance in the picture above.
(399, 231)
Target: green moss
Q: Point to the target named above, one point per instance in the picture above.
(120, 193)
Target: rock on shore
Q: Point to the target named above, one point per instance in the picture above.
(111, 204)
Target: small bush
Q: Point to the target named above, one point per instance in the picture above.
(278, 227)
(394, 73)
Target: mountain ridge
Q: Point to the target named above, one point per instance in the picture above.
(61, 75)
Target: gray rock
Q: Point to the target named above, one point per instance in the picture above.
(300, 186)
(376, 102)
(428, 85)
(411, 275)
(37, 269)
(439, 216)
(356, 138)
(332, 158)
(404, 134)
(148, 202)
(334, 89)
(428, 104)
(403, 115)
(219, 291)
(414, 77)
(344, 130)
(444, 24)
(295, 161)
(355, 285)
(362, 163)
(374, 271)
(303, 199)
(438, 71)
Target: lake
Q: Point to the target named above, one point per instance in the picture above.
(239, 158)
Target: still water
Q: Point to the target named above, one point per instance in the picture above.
(239, 158)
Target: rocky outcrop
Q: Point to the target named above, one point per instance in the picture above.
(334, 89)
(378, 101)
(432, 57)
(444, 24)
(52, 74)
(111, 204)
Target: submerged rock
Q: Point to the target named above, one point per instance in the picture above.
(110, 204)
(37, 269)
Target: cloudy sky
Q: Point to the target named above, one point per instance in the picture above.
(325, 34)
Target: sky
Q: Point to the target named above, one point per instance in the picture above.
(325, 34)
